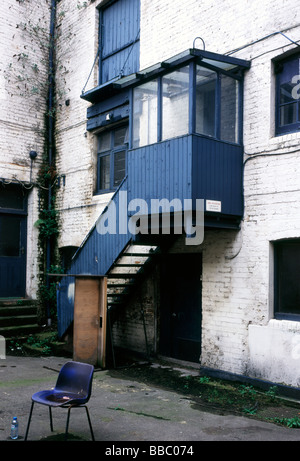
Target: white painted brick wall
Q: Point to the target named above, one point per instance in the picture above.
(237, 291)
(21, 110)
(76, 157)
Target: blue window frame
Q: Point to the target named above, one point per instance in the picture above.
(194, 92)
(119, 39)
(195, 98)
(286, 279)
(112, 149)
(287, 95)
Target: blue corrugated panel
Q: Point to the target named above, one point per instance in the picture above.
(188, 167)
(218, 173)
(120, 33)
(65, 304)
(162, 170)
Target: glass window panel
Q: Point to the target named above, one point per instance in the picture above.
(10, 227)
(112, 158)
(288, 270)
(220, 64)
(145, 114)
(105, 142)
(229, 109)
(289, 69)
(120, 136)
(175, 103)
(206, 82)
(288, 114)
(12, 197)
(119, 167)
(104, 176)
(286, 90)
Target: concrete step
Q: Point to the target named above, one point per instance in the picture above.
(17, 320)
(16, 302)
(19, 331)
(14, 311)
(18, 317)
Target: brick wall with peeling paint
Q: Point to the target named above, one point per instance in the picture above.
(23, 70)
(237, 300)
(237, 287)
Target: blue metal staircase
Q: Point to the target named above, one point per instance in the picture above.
(116, 256)
(187, 167)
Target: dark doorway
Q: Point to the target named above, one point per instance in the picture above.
(13, 238)
(180, 313)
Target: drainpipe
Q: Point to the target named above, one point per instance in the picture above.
(51, 81)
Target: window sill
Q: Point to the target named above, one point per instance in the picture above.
(104, 192)
(285, 324)
(291, 135)
(102, 197)
(284, 141)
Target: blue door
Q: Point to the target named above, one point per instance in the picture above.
(119, 39)
(181, 308)
(13, 226)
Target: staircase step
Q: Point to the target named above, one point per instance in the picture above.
(118, 292)
(10, 311)
(18, 317)
(119, 285)
(140, 250)
(6, 302)
(129, 265)
(125, 273)
(115, 304)
(141, 246)
(17, 320)
(19, 330)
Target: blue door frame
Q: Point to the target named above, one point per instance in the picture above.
(13, 239)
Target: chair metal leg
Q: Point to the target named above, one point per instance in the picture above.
(67, 424)
(51, 423)
(88, 417)
(90, 424)
(29, 419)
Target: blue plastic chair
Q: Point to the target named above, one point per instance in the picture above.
(73, 389)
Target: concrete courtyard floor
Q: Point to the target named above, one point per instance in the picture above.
(122, 410)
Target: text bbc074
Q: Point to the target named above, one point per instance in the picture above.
(170, 450)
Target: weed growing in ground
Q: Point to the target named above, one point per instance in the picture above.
(42, 344)
(247, 391)
(204, 380)
(289, 422)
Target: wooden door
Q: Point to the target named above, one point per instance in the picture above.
(90, 320)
